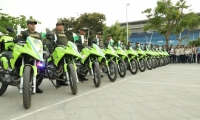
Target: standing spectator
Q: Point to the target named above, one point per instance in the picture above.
(187, 52)
(182, 54)
(190, 54)
(198, 53)
(172, 54)
(177, 53)
(194, 51)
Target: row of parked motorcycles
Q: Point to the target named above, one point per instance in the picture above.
(24, 64)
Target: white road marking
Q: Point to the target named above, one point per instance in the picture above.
(38, 110)
(170, 84)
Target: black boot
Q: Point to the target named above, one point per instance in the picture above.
(62, 83)
(38, 90)
(58, 83)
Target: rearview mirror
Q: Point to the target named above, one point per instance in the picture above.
(10, 29)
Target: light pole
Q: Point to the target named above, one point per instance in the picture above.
(127, 4)
(146, 38)
(151, 37)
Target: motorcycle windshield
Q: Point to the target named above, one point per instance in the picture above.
(110, 51)
(141, 52)
(34, 48)
(73, 50)
(121, 52)
(97, 50)
(132, 52)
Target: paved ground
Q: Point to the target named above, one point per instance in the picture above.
(166, 93)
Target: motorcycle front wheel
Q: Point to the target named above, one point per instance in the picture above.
(97, 74)
(122, 68)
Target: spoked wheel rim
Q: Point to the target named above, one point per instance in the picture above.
(142, 64)
(149, 63)
(134, 66)
(112, 70)
(122, 68)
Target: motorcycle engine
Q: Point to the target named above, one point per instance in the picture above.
(7, 78)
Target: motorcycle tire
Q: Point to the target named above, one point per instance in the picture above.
(97, 74)
(113, 71)
(134, 64)
(27, 83)
(144, 65)
(72, 79)
(122, 70)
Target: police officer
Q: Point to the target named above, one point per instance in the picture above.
(80, 45)
(98, 39)
(61, 39)
(82, 32)
(31, 25)
(110, 41)
(136, 45)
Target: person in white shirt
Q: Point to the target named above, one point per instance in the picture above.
(182, 59)
(172, 54)
(194, 51)
(177, 53)
(190, 54)
(187, 53)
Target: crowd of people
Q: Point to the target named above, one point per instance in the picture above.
(182, 54)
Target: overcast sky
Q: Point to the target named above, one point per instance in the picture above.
(47, 11)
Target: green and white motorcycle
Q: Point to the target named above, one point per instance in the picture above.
(121, 61)
(89, 64)
(61, 66)
(19, 65)
(109, 65)
(131, 60)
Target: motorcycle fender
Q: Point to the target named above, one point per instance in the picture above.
(5, 62)
(22, 70)
(90, 65)
(106, 62)
(65, 67)
(75, 66)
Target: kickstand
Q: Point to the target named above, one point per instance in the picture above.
(53, 83)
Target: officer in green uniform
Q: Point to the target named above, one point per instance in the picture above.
(58, 38)
(98, 39)
(82, 32)
(109, 41)
(31, 25)
(80, 46)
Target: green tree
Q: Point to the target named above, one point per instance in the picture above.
(93, 21)
(189, 21)
(194, 42)
(9, 21)
(117, 33)
(168, 18)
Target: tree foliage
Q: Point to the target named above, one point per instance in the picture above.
(9, 21)
(93, 21)
(194, 42)
(168, 18)
(117, 33)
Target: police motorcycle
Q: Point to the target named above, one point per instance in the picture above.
(60, 65)
(121, 59)
(19, 62)
(108, 64)
(141, 59)
(89, 64)
(131, 60)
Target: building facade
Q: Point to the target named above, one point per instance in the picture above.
(138, 34)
